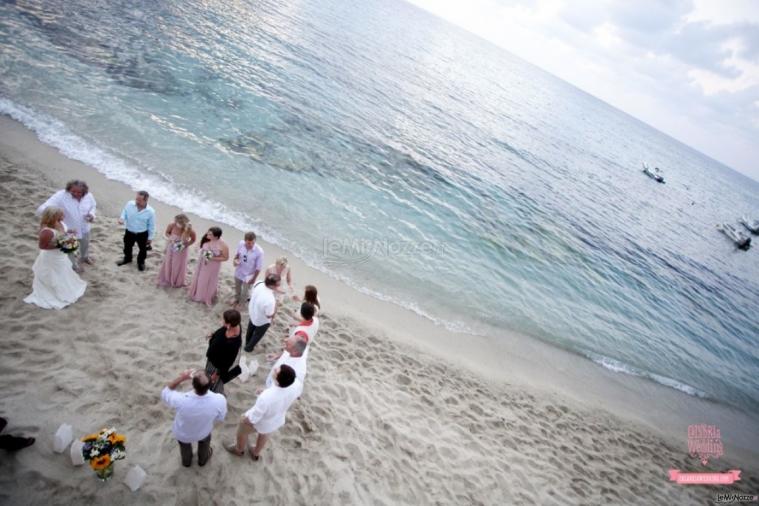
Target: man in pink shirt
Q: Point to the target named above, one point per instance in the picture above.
(248, 262)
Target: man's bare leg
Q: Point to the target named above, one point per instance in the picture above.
(261, 441)
(244, 429)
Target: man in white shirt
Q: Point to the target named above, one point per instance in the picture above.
(78, 206)
(261, 310)
(292, 355)
(197, 410)
(268, 413)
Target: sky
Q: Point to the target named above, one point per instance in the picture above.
(689, 68)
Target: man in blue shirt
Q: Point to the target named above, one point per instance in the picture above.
(139, 219)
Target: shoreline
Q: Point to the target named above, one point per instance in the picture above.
(510, 357)
(403, 424)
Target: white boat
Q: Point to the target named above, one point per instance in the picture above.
(741, 240)
(751, 226)
(653, 174)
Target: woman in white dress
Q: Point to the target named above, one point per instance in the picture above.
(55, 285)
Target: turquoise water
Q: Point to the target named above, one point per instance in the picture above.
(413, 161)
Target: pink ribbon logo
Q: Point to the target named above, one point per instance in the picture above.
(704, 478)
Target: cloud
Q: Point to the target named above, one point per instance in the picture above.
(705, 46)
(649, 17)
(688, 67)
(664, 27)
(750, 41)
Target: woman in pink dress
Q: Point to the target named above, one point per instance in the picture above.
(205, 281)
(179, 237)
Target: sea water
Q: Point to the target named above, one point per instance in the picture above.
(413, 161)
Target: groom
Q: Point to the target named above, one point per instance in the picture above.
(78, 206)
(139, 220)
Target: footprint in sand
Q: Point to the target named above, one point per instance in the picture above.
(403, 379)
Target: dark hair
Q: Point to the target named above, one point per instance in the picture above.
(286, 376)
(81, 184)
(272, 280)
(232, 317)
(250, 236)
(311, 296)
(307, 310)
(201, 383)
(216, 231)
(143, 194)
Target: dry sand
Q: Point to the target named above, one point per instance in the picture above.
(380, 422)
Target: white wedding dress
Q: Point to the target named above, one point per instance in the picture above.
(55, 284)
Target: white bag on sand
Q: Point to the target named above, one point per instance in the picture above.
(247, 370)
(63, 437)
(77, 458)
(244, 371)
(135, 478)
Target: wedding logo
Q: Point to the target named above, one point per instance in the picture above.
(704, 443)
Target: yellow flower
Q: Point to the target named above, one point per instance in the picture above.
(89, 437)
(100, 462)
(115, 439)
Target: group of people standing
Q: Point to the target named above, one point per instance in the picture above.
(67, 213)
(197, 410)
(70, 212)
(248, 261)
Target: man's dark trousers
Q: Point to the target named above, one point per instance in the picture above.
(142, 243)
(204, 451)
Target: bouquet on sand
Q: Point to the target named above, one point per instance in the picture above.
(102, 450)
(68, 244)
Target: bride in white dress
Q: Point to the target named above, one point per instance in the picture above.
(55, 285)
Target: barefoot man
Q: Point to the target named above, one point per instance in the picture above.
(268, 413)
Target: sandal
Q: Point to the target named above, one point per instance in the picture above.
(232, 448)
(254, 457)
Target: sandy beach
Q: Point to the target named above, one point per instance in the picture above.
(385, 419)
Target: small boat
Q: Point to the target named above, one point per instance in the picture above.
(752, 226)
(653, 174)
(741, 240)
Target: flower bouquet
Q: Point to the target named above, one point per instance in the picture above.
(208, 255)
(68, 244)
(179, 246)
(102, 450)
